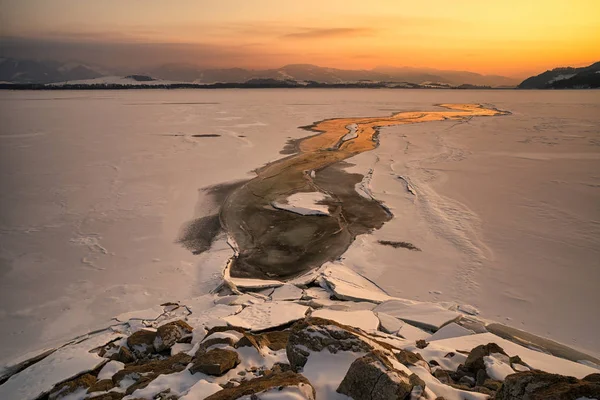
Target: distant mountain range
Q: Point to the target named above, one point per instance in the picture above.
(565, 78)
(30, 72)
(312, 73)
(42, 72)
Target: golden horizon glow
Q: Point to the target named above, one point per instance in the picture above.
(513, 38)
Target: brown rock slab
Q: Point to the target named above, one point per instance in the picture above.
(152, 369)
(215, 362)
(408, 358)
(70, 386)
(108, 396)
(124, 355)
(102, 386)
(275, 380)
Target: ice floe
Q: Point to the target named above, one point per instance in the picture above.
(364, 320)
(349, 285)
(287, 292)
(449, 331)
(304, 203)
(259, 317)
(426, 315)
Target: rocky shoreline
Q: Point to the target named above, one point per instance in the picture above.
(329, 334)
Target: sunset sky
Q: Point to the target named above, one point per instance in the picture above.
(509, 37)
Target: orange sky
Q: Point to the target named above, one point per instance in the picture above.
(501, 37)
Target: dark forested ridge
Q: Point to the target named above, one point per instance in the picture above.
(565, 78)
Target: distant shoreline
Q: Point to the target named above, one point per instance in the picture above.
(38, 86)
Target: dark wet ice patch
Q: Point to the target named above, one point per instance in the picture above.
(399, 245)
(199, 234)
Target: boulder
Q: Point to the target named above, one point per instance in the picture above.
(537, 385)
(475, 360)
(141, 343)
(124, 355)
(371, 378)
(442, 376)
(592, 378)
(215, 362)
(169, 334)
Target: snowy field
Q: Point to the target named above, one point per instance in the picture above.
(98, 186)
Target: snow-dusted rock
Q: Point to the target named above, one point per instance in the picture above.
(215, 361)
(364, 320)
(141, 343)
(259, 317)
(426, 315)
(316, 334)
(369, 378)
(449, 331)
(169, 334)
(287, 292)
(169, 385)
(139, 375)
(496, 368)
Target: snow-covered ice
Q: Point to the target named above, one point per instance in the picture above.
(449, 331)
(287, 292)
(325, 371)
(426, 315)
(348, 285)
(364, 320)
(98, 186)
(109, 369)
(259, 317)
(304, 204)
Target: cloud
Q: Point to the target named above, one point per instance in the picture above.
(321, 33)
(136, 54)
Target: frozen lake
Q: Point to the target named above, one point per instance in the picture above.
(97, 187)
